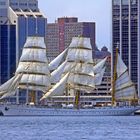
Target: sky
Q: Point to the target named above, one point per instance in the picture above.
(98, 11)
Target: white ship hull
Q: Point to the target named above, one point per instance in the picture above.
(19, 110)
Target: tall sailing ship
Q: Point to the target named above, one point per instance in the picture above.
(75, 70)
(72, 69)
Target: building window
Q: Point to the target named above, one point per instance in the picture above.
(133, 2)
(125, 2)
(23, 4)
(32, 4)
(14, 4)
(2, 3)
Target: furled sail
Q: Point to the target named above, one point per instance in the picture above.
(124, 88)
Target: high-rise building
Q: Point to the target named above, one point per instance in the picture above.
(18, 19)
(60, 33)
(7, 51)
(126, 35)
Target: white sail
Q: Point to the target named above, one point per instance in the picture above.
(123, 80)
(35, 41)
(57, 74)
(33, 54)
(34, 65)
(35, 82)
(80, 54)
(58, 60)
(80, 42)
(32, 72)
(126, 93)
(8, 94)
(58, 89)
(80, 74)
(99, 77)
(81, 82)
(85, 88)
(124, 88)
(75, 81)
(121, 67)
(11, 90)
(86, 68)
(99, 66)
(79, 66)
(80, 50)
(6, 85)
(81, 79)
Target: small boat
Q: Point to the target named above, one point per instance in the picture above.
(137, 112)
(73, 69)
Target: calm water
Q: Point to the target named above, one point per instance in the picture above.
(70, 128)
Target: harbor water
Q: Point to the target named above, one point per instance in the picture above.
(70, 128)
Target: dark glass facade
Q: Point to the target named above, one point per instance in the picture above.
(26, 20)
(125, 33)
(89, 31)
(30, 27)
(7, 52)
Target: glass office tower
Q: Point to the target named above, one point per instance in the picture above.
(18, 19)
(7, 51)
(125, 35)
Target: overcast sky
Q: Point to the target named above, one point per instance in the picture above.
(98, 11)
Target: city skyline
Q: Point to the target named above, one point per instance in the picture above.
(94, 11)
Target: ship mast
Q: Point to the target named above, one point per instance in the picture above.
(77, 94)
(114, 78)
(77, 99)
(77, 71)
